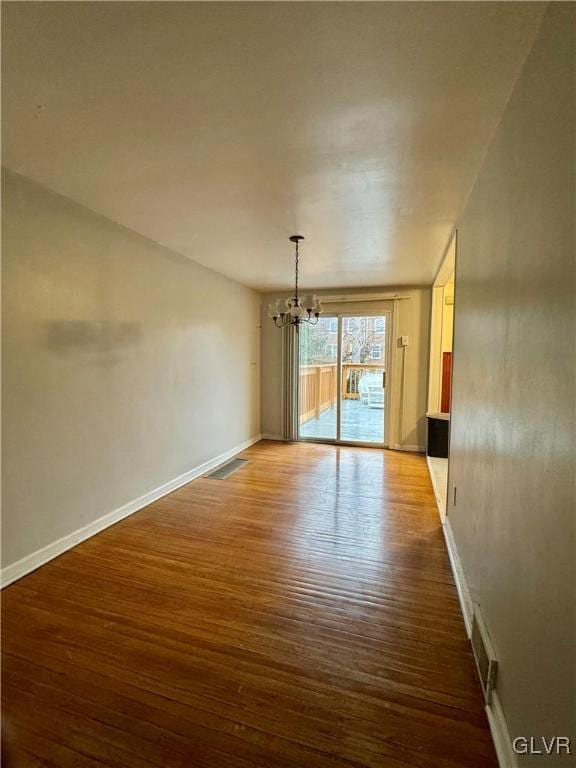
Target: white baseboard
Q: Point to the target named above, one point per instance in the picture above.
(500, 734)
(494, 712)
(466, 604)
(411, 448)
(274, 437)
(29, 563)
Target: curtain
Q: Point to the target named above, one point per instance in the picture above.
(290, 379)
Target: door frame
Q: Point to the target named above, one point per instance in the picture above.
(388, 314)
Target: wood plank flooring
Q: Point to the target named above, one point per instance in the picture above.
(300, 614)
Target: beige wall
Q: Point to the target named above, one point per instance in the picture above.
(512, 440)
(447, 316)
(124, 366)
(441, 324)
(441, 340)
(413, 320)
(435, 357)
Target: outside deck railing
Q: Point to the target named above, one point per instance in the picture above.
(318, 386)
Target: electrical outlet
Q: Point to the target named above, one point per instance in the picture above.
(404, 341)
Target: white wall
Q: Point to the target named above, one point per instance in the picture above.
(413, 321)
(124, 366)
(512, 433)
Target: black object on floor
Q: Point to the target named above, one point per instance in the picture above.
(438, 428)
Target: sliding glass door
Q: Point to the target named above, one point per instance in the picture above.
(343, 370)
(363, 379)
(318, 379)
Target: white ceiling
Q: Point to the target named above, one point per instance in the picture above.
(219, 129)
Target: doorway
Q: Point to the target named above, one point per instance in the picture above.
(343, 367)
(440, 377)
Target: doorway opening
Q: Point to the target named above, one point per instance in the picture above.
(343, 365)
(440, 377)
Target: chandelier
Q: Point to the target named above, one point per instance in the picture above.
(295, 311)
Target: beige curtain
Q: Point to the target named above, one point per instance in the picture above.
(290, 381)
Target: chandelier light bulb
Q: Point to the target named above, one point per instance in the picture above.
(296, 308)
(308, 303)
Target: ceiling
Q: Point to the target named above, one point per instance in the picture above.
(219, 129)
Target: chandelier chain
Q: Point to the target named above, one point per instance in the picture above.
(296, 287)
(296, 313)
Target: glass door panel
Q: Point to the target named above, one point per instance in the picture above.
(363, 379)
(318, 383)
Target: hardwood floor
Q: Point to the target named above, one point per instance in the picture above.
(300, 614)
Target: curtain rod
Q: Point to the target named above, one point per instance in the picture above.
(333, 299)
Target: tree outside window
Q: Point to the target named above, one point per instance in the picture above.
(359, 336)
(314, 343)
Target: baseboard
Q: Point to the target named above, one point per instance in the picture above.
(274, 437)
(494, 711)
(464, 596)
(411, 448)
(15, 571)
(500, 733)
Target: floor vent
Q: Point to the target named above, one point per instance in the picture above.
(484, 655)
(227, 469)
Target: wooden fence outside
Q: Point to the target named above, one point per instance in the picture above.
(318, 386)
